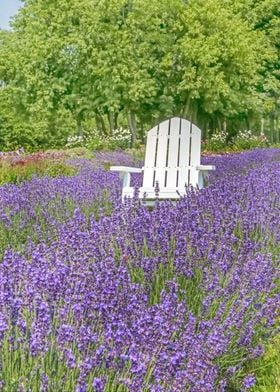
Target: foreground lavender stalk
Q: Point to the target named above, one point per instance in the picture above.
(176, 298)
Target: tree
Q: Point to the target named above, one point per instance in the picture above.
(72, 65)
(264, 16)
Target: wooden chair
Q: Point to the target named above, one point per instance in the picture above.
(172, 162)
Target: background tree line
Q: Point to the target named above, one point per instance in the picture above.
(70, 66)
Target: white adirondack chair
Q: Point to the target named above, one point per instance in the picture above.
(172, 162)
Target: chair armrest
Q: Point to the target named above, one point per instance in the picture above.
(126, 169)
(125, 173)
(205, 167)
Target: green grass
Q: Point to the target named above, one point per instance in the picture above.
(267, 368)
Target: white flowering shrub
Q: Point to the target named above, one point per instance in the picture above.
(217, 142)
(95, 140)
(246, 140)
(75, 141)
(120, 138)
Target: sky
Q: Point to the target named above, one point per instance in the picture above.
(8, 8)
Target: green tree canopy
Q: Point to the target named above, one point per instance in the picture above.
(70, 65)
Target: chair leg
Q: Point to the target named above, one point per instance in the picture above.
(200, 179)
(125, 178)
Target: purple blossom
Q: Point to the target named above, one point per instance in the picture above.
(249, 381)
(44, 387)
(70, 358)
(99, 384)
(153, 297)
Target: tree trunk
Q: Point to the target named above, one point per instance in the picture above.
(248, 123)
(79, 125)
(211, 126)
(277, 130)
(225, 125)
(131, 119)
(271, 129)
(187, 108)
(206, 130)
(262, 126)
(100, 124)
(52, 125)
(116, 115)
(219, 124)
(142, 136)
(194, 114)
(111, 118)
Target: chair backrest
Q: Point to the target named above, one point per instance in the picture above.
(172, 153)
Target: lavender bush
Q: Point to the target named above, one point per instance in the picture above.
(105, 296)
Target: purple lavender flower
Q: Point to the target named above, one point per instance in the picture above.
(249, 381)
(99, 384)
(70, 358)
(44, 387)
(156, 297)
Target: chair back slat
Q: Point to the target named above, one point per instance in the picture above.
(194, 153)
(184, 154)
(172, 161)
(162, 153)
(150, 157)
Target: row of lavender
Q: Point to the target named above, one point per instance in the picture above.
(102, 296)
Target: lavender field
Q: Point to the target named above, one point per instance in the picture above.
(96, 295)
